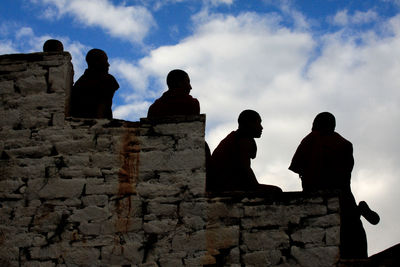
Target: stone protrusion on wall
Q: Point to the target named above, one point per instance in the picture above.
(33, 89)
(98, 192)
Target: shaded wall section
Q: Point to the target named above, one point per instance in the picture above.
(83, 192)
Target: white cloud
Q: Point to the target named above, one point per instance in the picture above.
(250, 61)
(24, 32)
(7, 47)
(158, 4)
(126, 111)
(219, 2)
(126, 22)
(342, 18)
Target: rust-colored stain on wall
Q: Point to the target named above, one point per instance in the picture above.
(127, 179)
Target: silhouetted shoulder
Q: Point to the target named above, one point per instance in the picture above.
(174, 104)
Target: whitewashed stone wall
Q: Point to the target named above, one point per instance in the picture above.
(82, 192)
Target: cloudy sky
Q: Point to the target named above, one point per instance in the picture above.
(289, 60)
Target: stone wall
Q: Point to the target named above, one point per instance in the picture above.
(83, 192)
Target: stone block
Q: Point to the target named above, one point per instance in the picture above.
(9, 186)
(194, 222)
(81, 160)
(98, 187)
(126, 206)
(39, 264)
(95, 200)
(171, 160)
(266, 240)
(194, 142)
(195, 208)
(71, 173)
(44, 102)
(159, 226)
(222, 237)
(6, 87)
(148, 190)
(182, 129)
(91, 213)
(46, 252)
(39, 151)
(56, 188)
(324, 221)
(13, 67)
(262, 222)
(189, 243)
(31, 85)
(333, 236)
(333, 204)
(310, 236)
(320, 256)
(97, 241)
(171, 262)
(91, 172)
(113, 255)
(159, 143)
(200, 260)
(81, 256)
(60, 78)
(162, 210)
(10, 118)
(223, 210)
(105, 160)
(73, 147)
(121, 225)
(87, 228)
(262, 258)
(133, 252)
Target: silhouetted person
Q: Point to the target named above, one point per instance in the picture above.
(92, 94)
(177, 100)
(230, 168)
(324, 161)
(53, 45)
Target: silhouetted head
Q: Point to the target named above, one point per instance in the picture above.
(97, 60)
(250, 123)
(179, 80)
(53, 45)
(324, 122)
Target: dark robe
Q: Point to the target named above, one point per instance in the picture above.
(174, 103)
(230, 164)
(324, 162)
(92, 95)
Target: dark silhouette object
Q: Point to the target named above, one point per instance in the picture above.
(371, 216)
(92, 94)
(230, 168)
(177, 100)
(53, 45)
(324, 161)
(389, 258)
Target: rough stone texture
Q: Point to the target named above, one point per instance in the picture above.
(83, 192)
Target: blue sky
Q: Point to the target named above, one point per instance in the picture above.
(289, 60)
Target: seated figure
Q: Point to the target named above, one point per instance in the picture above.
(230, 164)
(177, 100)
(324, 161)
(92, 93)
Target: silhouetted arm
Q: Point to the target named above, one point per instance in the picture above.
(246, 152)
